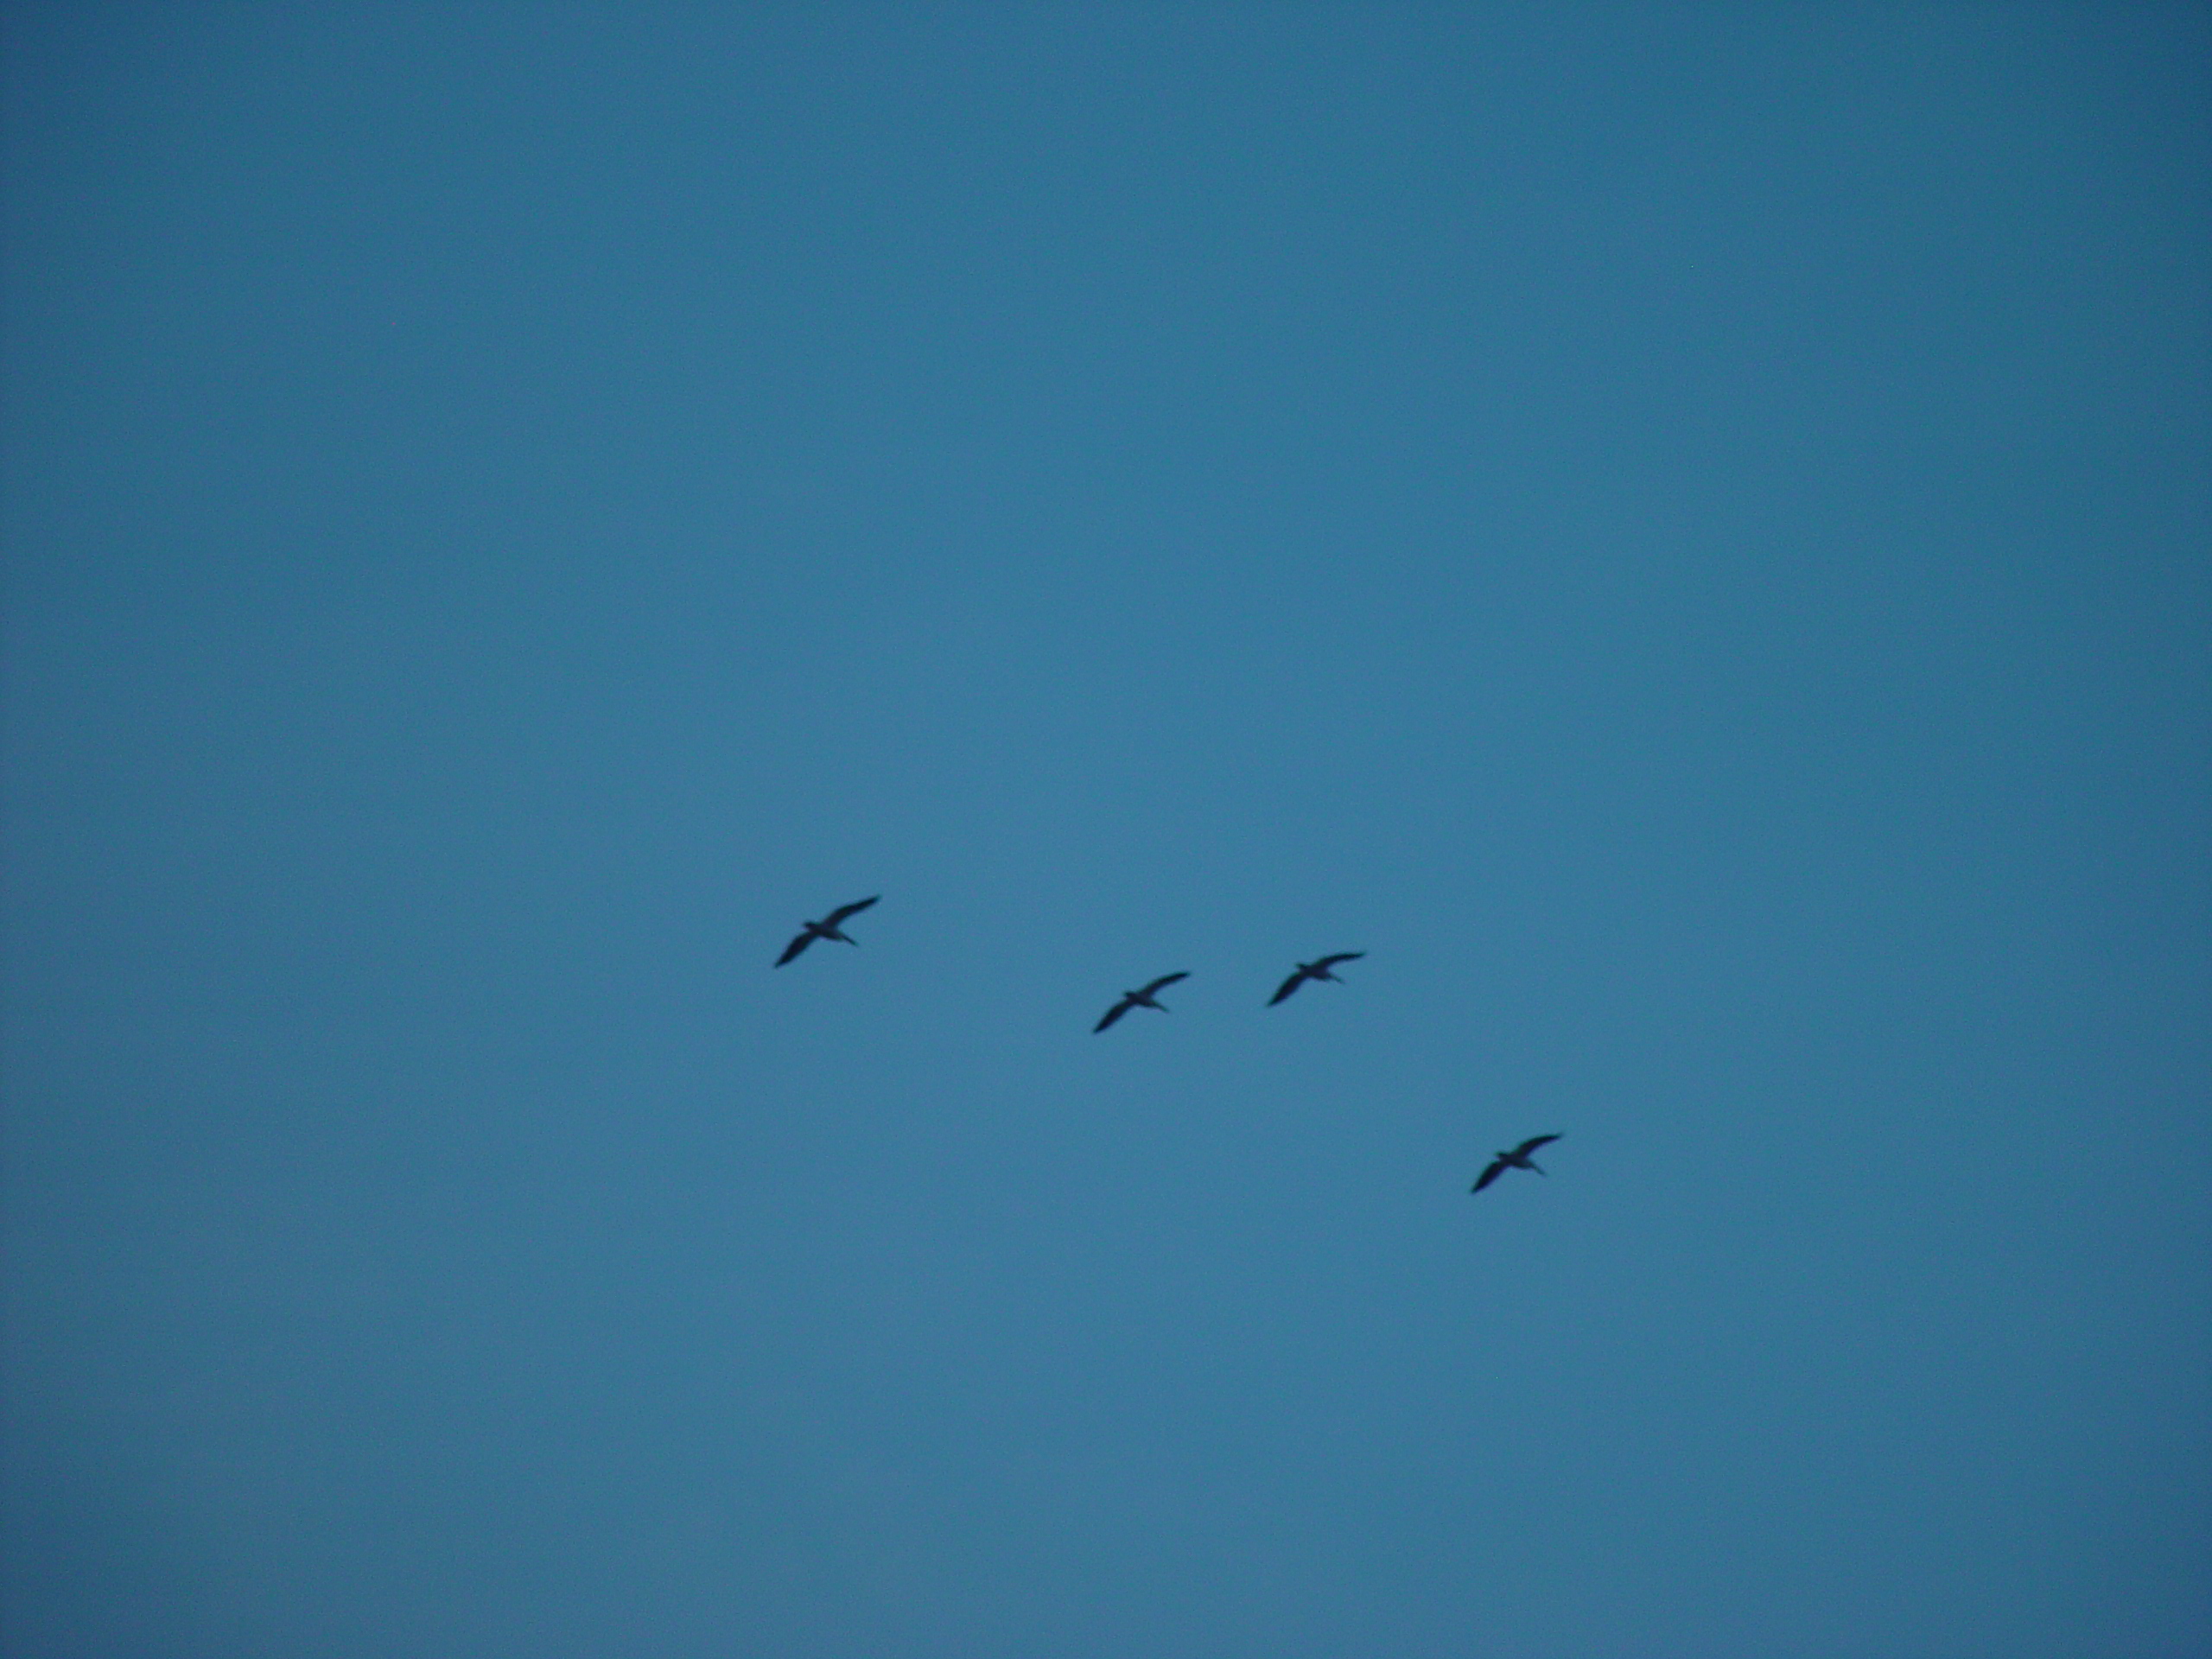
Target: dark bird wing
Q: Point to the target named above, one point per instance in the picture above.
(1532, 1143)
(794, 948)
(1287, 987)
(843, 911)
(1113, 1013)
(1497, 1167)
(1164, 980)
(1327, 962)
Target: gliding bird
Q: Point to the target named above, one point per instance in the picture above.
(1516, 1159)
(1314, 970)
(1143, 999)
(826, 928)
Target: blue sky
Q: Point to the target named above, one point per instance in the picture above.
(1681, 533)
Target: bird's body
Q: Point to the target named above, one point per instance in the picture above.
(1143, 998)
(829, 927)
(1314, 970)
(1516, 1159)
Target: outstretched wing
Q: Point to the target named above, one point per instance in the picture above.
(794, 948)
(1532, 1143)
(1497, 1167)
(1327, 962)
(1287, 987)
(843, 911)
(1164, 980)
(1112, 1014)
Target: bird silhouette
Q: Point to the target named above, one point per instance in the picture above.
(1314, 970)
(1516, 1159)
(1143, 999)
(826, 928)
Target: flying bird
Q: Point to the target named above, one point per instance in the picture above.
(1314, 970)
(828, 928)
(1143, 999)
(1516, 1159)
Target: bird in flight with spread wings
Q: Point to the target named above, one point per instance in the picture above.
(1516, 1159)
(1314, 970)
(1143, 999)
(829, 927)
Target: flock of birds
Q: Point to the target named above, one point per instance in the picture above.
(832, 926)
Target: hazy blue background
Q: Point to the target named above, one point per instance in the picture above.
(1681, 531)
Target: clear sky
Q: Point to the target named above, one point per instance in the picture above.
(1685, 533)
